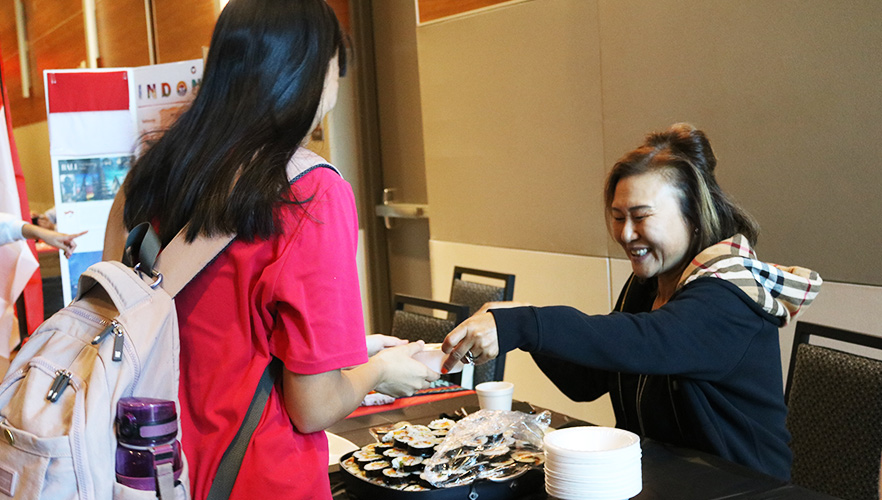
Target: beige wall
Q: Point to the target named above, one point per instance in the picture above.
(32, 142)
(526, 106)
(512, 127)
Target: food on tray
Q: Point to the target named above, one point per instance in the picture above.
(496, 446)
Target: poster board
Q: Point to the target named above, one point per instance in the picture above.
(96, 118)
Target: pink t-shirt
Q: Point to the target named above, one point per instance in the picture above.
(295, 297)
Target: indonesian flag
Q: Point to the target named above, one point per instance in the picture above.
(18, 261)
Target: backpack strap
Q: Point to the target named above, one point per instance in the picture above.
(231, 461)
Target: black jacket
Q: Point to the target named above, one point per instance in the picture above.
(703, 371)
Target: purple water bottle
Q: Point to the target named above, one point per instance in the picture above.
(148, 457)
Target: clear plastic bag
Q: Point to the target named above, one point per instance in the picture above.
(488, 444)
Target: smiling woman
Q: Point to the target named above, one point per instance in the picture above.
(691, 355)
(669, 186)
(648, 223)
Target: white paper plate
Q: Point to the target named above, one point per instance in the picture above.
(337, 447)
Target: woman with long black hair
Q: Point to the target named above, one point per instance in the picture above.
(287, 287)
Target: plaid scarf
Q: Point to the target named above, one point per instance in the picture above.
(782, 291)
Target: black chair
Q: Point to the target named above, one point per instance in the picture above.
(834, 401)
(476, 294)
(413, 319)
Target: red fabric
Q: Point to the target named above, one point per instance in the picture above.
(404, 402)
(33, 292)
(295, 297)
(88, 91)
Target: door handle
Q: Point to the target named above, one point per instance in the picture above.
(390, 210)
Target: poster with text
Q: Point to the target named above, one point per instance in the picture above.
(97, 119)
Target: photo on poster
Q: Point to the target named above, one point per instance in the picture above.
(92, 179)
(79, 262)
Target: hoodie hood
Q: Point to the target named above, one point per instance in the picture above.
(783, 292)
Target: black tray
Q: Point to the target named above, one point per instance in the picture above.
(528, 483)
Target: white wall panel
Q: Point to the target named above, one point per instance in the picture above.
(542, 278)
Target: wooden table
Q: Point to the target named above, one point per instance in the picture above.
(669, 473)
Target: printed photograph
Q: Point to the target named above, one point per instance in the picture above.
(92, 179)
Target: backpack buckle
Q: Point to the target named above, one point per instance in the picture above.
(156, 275)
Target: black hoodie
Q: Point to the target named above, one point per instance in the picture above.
(703, 371)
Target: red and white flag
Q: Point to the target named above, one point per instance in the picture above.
(18, 260)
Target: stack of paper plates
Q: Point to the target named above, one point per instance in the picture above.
(592, 463)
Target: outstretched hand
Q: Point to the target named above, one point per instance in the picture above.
(61, 241)
(403, 375)
(476, 335)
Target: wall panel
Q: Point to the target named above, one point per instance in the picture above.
(8, 42)
(183, 28)
(512, 127)
(431, 10)
(789, 95)
(9, 48)
(787, 91)
(57, 40)
(122, 33)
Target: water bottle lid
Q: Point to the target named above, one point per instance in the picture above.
(145, 421)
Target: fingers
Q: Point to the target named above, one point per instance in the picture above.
(414, 347)
(476, 335)
(377, 342)
(431, 377)
(390, 341)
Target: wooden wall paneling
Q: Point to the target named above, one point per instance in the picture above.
(46, 16)
(122, 33)
(7, 30)
(57, 40)
(9, 48)
(430, 10)
(11, 65)
(182, 28)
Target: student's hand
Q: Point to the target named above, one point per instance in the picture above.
(402, 375)
(378, 342)
(61, 241)
(475, 336)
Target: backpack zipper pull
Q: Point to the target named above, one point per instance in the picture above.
(118, 340)
(116, 330)
(62, 380)
(101, 336)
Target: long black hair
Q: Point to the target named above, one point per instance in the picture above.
(221, 166)
(683, 154)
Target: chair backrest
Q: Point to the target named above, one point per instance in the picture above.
(413, 319)
(475, 295)
(834, 416)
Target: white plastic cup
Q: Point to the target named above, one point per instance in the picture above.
(495, 395)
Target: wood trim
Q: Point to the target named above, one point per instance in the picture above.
(122, 33)
(432, 10)
(182, 28)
